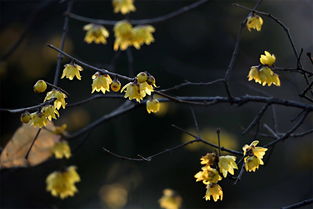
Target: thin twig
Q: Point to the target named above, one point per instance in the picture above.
(32, 144)
(298, 204)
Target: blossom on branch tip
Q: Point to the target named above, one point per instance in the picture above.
(96, 33)
(253, 156)
(152, 106)
(50, 112)
(254, 22)
(62, 184)
(227, 164)
(40, 86)
(101, 83)
(267, 58)
(215, 191)
(59, 98)
(123, 6)
(61, 150)
(72, 70)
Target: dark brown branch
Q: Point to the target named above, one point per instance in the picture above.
(299, 204)
(142, 21)
(64, 32)
(32, 144)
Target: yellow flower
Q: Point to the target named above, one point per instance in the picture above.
(145, 89)
(25, 117)
(215, 191)
(142, 77)
(123, 31)
(208, 159)
(38, 119)
(132, 91)
(251, 149)
(263, 76)
(208, 175)
(96, 33)
(123, 6)
(170, 200)
(142, 35)
(101, 83)
(153, 105)
(227, 164)
(59, 96)
(50, 112)
(61, 149)
(267, 59)
(254, 22)
(71, 70)
(60, 129)
(40, 86)
(252, 163)
(151, 81)
(116, 85)
(62, 184)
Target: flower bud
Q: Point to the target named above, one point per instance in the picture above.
(116, 85)
(25, 117)
(142, 77)
(40, 86)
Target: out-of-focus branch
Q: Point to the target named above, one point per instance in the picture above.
(299, 204)
(142, 21)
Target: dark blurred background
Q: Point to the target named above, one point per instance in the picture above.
(195, 46)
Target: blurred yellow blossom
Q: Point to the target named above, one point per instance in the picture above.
(142, 35)
(72, 70)
(254, 22)
(60, 129)
(114, 196)
(61, 150)
(38, 119)
(59, 98)
(170, 200)
(62, 183)
(101, 82)
(152, 106)
(267, 58)
(123, 6)
(215, 191)
(40, 86)
(123, 35)
(96, 33)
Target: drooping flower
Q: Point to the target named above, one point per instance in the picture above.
(50, 112)
(116, 85)
(25, 117)
(227, 164)
(123, 6)
(62, 184)
(38, 119)
(267, 58)
(208, 175)
(264, 76)
(101, 82)
(209, 159)
(142, 35)
(151, 80)
(61, 150)
(72, 70)
(253, 156)
(96, 33)
(123, 32)
(215, 191)
(254, 22)
(132, 91)
(40, 86)
(170, 200)
(59, 98)
(145, 89)
(152, 106)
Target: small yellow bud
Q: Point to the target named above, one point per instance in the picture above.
(151, 80)
(25, 117)
(40, 86)
(142, 77)
(116, 85)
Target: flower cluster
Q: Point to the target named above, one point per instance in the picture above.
(143, 85)
(214, 169)
(263, 74)
(253, 156)
(254, 22)
(62, 183)
(126, 35)
(170, 200)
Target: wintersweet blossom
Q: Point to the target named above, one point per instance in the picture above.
(253, 156)
(72, 70)
(123, 6)
(254, 22)
(215, 191)
(59, 98)
(40, 86)
(96, 33)
(264, 76)
(152, 106)
(61, 150)
(101, 83)
(267, 58)
(227, 164)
